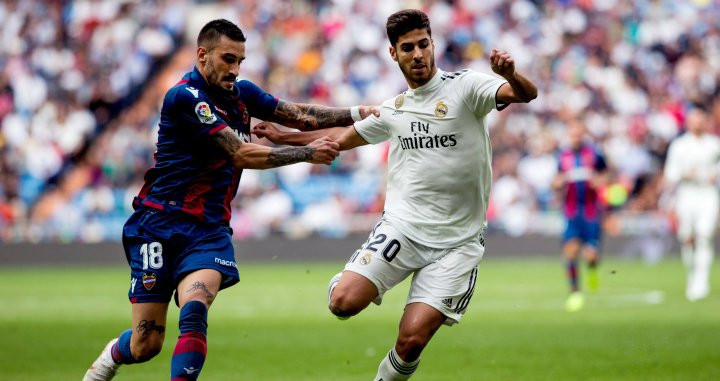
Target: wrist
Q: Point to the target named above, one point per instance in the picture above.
(355, 113)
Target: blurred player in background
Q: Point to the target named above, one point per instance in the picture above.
(178, 239)
(437, 194)
(691, 168)
(581, 172)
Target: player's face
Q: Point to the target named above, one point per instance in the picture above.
(415, 54)
(696, 122)
(221, 63)
(576, 134)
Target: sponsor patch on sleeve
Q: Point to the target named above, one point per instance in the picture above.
(204, 113)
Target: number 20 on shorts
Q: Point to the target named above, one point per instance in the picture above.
(389, 251)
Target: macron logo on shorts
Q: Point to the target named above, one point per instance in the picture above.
(223, 262)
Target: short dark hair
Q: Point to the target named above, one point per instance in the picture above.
(211, 32)
(405, 21)
(696, 105)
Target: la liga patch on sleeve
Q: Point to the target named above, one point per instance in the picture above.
(204, 113)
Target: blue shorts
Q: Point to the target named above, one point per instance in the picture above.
(584, 230)
(162, 248)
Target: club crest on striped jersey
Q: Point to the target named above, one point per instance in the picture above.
(204, 113)
(149, 280)
(441, 109)
(366, 258)
(399, 100)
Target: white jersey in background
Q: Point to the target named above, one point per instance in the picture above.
(439, 166)
(693, 164)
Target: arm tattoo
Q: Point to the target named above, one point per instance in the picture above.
(146, 327)
(227, 140)
(289, 155)
(200, 286)
(311, 117)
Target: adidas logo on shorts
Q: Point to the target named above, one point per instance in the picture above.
(447, 302)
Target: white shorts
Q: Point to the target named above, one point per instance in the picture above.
(697, 214)
(442, 278)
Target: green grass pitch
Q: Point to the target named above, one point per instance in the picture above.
(274, 325)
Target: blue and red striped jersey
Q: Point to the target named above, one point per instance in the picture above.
(578, 166)
(190, 174)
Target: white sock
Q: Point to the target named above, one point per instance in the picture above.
(703, 261)
(393, 368)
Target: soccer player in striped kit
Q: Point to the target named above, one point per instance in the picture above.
(439, 177)
(178, 240)
(581, 172)
(692, 168)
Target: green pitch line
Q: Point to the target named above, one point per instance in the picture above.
(274, 325)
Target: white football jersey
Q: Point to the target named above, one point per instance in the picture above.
(439, 171)
(693, 163)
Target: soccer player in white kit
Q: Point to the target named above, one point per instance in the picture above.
(439, 177)
(692, 167)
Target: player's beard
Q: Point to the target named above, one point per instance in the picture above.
(424, 78)
(215, 78)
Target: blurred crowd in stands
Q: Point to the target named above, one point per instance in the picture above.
(81, 83)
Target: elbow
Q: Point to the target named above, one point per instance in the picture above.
(532, 94)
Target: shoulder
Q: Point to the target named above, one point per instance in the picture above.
(395, 102)
(184, 94)
(465, 75)
(247, 88)
(449, 76)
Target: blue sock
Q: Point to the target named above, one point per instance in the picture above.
(572, 275)
(121, 350)
(191, 348)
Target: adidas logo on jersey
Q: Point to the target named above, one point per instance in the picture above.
(447, 302)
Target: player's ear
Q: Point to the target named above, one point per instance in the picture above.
(202, 55)
(393, 53)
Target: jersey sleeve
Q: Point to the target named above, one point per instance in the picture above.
(373, 129)
(480, 92)
(673, 169)
(196, 114)
(260, 104)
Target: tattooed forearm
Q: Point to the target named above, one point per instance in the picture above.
(289, 155)
(200, 286)
(227, 140)
(311, 117)
(146, 327)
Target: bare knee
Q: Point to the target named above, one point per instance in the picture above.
(147, 346)
(409, 346)
(343, 304)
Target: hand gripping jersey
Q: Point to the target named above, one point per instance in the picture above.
(439, 171)
(191, 175)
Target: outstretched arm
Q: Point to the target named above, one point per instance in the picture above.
(346, 137)
(255, 156)
(307, 117)
(518, 89)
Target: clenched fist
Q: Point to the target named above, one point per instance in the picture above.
(502, 63)
(269, 131)
(325, 150)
